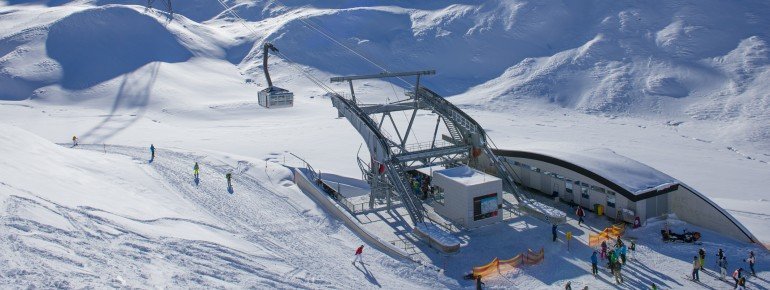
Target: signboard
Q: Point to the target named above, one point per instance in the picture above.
(485, 206)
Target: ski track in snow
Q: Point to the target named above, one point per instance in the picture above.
(100, 251)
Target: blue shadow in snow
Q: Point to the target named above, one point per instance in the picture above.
(96, 45)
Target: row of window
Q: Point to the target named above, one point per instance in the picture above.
(570, 185)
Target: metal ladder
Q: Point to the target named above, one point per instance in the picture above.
(398, 179)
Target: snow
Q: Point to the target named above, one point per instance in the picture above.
(435, 234)
(466, 176)
(632, 175)
(678, 86)
(85, 217)
(550, 213)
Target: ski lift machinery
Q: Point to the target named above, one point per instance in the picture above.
(272, 96)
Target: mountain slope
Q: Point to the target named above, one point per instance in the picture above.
(78, 218)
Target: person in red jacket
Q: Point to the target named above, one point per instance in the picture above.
(359, 252)
(579, 212)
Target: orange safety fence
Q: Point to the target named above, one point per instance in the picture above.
(612, 232)
(534, 258)
(510, 264)
(498, 266)
(487, 269)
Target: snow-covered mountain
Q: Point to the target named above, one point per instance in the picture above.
(678, 85)
(691, 60)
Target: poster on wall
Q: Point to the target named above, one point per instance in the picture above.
(485, 206)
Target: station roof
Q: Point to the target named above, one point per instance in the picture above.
(628, 177)
(466, 175)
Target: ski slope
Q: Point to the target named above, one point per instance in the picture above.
(79, 217)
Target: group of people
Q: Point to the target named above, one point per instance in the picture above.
(421, 185)
(196, 168)
(616, 258)
(739, 279)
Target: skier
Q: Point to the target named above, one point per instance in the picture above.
(722, 263)
(568, 286)
(360, 251)
(478, 282)
(229, 177)
(580, 215)
(74, 141)
(612, 259)
(594, 261)
(695, 267)
(702, 255)
(737, 275)
(152, 152)
(604, 250)
(633, 250)
(623, 250)
(720, 255)
(196, 170)
(617, 268)
(553, 231)
(654, 287)
(741, 283)
(751, 260)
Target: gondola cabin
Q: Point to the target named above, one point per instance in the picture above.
(275, 97)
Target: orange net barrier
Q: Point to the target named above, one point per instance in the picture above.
(510, 264)
(535, 257)
(612, 232)
(498, 266)
(486, 270)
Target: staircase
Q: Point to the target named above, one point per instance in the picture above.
(505, 173)
(399, 179)
(453, 132)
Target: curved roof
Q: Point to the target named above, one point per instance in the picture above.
(630, 178)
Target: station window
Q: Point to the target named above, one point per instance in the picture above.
(584, 190)
(568, 186)
(611, 199)
(439, 195)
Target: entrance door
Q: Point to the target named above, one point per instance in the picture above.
(585, 197)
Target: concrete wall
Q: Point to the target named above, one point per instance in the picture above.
(458, 200)
(336, 210)
(694, 208)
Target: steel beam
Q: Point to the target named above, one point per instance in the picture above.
(383, 75)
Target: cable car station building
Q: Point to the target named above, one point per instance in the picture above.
(605, 182)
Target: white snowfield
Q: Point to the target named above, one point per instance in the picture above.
(84, 218)
(680, 86)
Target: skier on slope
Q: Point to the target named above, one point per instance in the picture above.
(720, 255)
(594, 262)
(741, 283)
(695, 268)
(702, 259)
(751, 260)
(633, 249)
(229, 177)
(196, 170)
(737, 275)
(74, 141)
(722, 263)
(359, 253)
(579, 212)
(152, 152)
